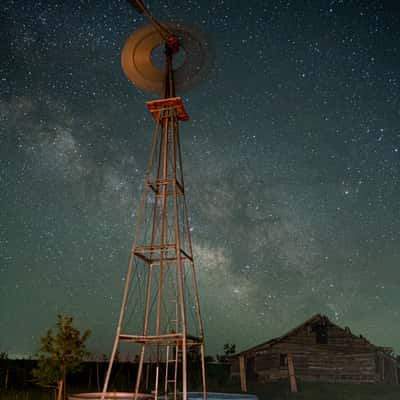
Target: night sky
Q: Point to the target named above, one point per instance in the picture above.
(291, 160)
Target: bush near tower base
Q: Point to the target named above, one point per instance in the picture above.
(60, 354)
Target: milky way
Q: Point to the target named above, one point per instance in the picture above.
(291, 158)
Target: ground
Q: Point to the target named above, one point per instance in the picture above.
(276, 391)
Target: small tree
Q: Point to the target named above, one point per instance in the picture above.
(60, 354)
(209, 359)
(4, 366)
(229, 349)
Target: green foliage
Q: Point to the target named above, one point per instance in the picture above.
(229, 349)
(60, 353)
(193, 355)
(209, 359)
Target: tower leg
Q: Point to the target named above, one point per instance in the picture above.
(162, 241)
(110, 364)
(140, 369)
(203, 372)
(184, 370)
(121, 317)
(145, 324)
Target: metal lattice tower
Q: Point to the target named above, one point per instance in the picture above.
(160, 309)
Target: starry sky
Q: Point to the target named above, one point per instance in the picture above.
(291, 161)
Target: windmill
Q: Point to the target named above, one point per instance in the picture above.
(160, 310)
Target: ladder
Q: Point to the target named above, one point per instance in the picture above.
(174, 360)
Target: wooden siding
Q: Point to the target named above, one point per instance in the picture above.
(344, 358)
(319, 365)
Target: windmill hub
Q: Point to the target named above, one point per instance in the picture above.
(157, 57)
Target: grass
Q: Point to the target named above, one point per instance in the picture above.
(316, 391)
(26, 394)
(274, 391)
(327, 391)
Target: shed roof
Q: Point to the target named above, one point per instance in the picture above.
(315, 318)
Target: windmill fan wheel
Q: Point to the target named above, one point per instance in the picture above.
(139, 67)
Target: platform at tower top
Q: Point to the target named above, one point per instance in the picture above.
(156, 106)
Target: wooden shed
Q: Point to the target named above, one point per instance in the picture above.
(316, 350)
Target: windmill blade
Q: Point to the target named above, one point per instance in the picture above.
(139, 67)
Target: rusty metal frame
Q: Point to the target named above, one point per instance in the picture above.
(167, 186)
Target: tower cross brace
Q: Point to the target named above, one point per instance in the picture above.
(162, 260)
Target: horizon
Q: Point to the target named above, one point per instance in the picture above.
(291, 159)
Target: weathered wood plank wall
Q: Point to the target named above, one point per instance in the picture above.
(344, 358)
